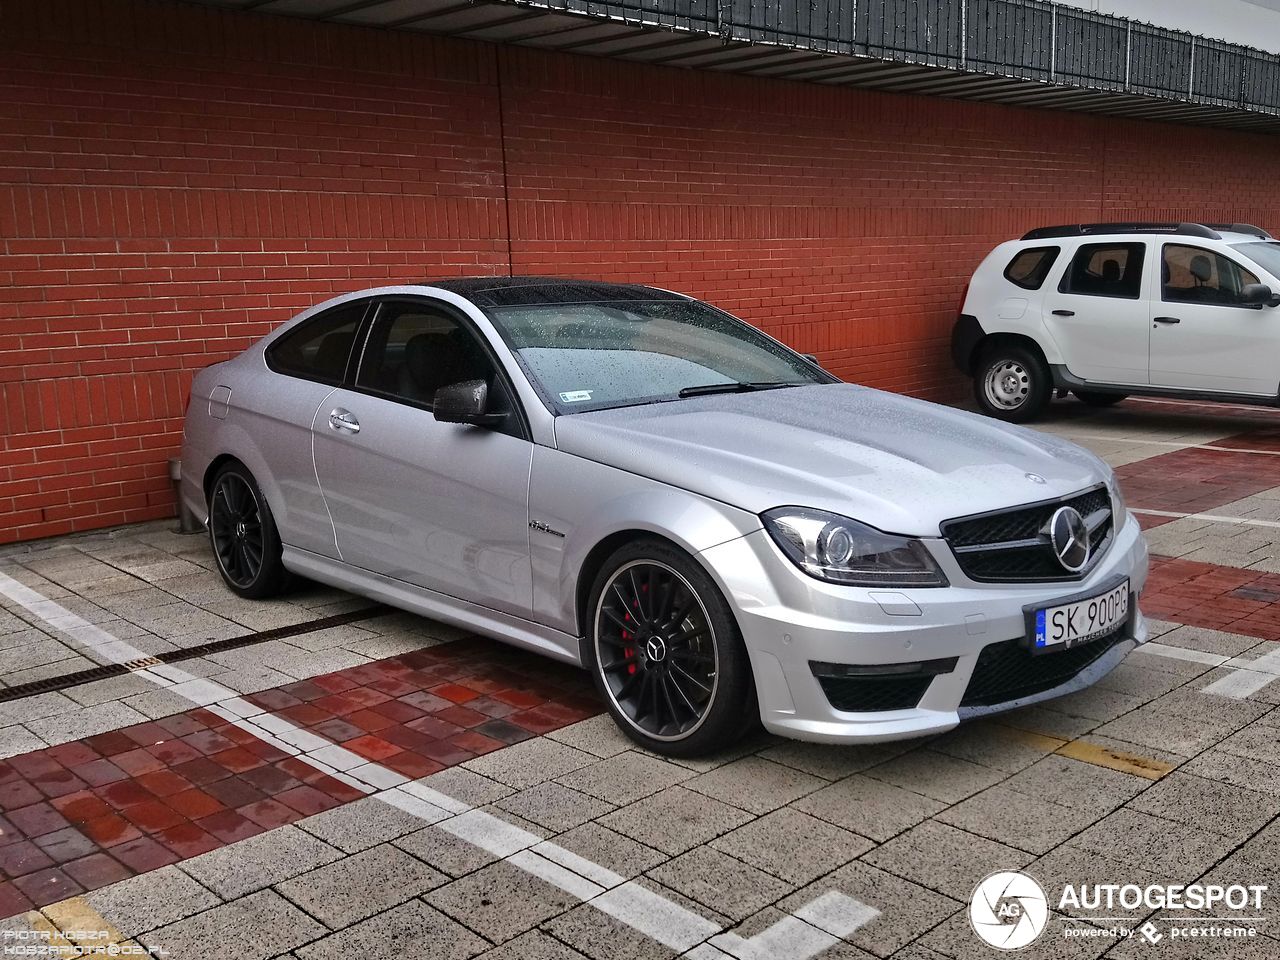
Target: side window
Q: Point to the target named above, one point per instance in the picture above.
(320, 348)
(1029, 267)
(414, 349)
(1106, 270)
(1195, 275)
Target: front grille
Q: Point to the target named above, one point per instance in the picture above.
(1010, 546)
(1009, 671)
(869, 694)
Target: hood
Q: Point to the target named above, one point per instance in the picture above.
(901, 465)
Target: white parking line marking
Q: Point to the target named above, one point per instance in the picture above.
(799, 936)
(1181, 653)
(1249, 677)
(1214, 517)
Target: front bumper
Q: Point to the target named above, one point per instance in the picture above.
(790, 620)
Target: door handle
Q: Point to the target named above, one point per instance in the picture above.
(1167, 319)
(344, 420)
(1064, 313)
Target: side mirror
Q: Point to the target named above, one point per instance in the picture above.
(465, 402)
(812, 358)
(1258, 295)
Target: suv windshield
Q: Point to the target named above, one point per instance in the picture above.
(588, 356)
(1264, 253)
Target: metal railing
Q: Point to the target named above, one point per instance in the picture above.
(1027, 39)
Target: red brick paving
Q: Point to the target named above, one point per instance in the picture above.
(82, 815)
(1195, 480)
(1214, 597)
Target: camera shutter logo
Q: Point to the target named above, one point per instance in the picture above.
(1008, 910)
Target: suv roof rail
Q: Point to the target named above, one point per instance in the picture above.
(1085, 229)
(1248, 228)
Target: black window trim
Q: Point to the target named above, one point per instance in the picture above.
(274, 367)
(1055, 252)
(1070, 268)
(1198, 303)
(521, 422)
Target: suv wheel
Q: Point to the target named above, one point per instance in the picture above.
(246, 544)
(1099, 399)
(665, 652)
(1011, 383)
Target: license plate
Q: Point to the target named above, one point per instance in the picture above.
(1071, 624)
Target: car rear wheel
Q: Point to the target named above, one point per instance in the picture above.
(665, 652)
(1011, 383)
(1100, 399)
(245, 541)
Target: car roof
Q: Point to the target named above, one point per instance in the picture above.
(537, 291)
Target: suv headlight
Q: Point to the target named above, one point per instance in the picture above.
(1119, 512)
(839, 550)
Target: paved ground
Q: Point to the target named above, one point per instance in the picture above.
(347, 781)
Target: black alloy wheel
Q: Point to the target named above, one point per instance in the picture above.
(243, 532)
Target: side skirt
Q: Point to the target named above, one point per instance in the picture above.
(1064, 379)
(439, 606)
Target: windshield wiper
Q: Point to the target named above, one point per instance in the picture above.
(732, 387)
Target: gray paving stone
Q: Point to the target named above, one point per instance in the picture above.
(113, 688)
(37, 707)
(995, 745)
(345, 891)
(150, 900)
(260, 925)
(1069, 864)
(755, 785)
(675, 820)
(433, 936)
(1211, 805)
(1236, 770)
(1161, 846)
(627, 777)
(440, 849)
(555, 806)
(792, 845)
(1051, 720)
(534, 945)
(598, 735)
(936, 775)
(468, 787)
(613, 851)
(85, 722)
(501, 901)
(1073, 783)
(715, 880)
(907, 909)
(943, 858)
(869, 807)
(759, 924)
(829, 761)
(361, 824)
(600, 937)
(15, 739)
(1028, 823)
(258, 862)
(531, 761)
(955, 938)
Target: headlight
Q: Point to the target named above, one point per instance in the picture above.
(1119, 512)
(840, 550)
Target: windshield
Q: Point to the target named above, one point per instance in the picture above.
(1264, 253)
(588, 356)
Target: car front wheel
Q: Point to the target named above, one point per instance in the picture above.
(665, 652)
(246, 544)
(1011, 383)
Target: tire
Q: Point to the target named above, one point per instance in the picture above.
(687, 690)
(1011, 383)
(246, 543)
(1099, 399)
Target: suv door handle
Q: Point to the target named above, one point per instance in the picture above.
(1167, 320)
(345, 420)
(1064, 313)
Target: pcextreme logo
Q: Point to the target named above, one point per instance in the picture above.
(1009, 910)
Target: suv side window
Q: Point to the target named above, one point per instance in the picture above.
(1029, 267)
(1196, 275)
(1106, 270)
(415, 348)
(320, 348)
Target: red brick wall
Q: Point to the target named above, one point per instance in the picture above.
(176, 180)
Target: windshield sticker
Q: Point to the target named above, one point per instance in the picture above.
(575, 396)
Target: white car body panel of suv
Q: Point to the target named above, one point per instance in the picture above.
(1107, 310)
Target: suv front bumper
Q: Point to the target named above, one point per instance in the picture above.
(791, 621)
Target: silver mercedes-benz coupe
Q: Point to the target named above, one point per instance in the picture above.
(634, 481)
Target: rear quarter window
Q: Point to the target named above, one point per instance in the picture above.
(1029, 267)
(320, 348)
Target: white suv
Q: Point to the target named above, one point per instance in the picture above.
(1105, 310)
